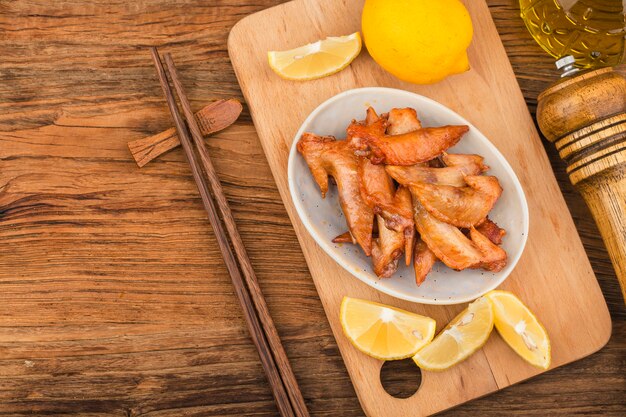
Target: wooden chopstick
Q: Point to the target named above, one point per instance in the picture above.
(258, 336)
(293, 390)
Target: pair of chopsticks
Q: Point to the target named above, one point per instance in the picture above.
(282, 381)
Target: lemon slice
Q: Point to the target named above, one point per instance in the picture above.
(317, 59)
(384, 332)
(464, 335)
(519, 327)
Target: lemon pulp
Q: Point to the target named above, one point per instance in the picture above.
(520, 329)
(382, 331)
(317, 59)
(464, 335)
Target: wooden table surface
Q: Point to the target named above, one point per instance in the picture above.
(114, 300)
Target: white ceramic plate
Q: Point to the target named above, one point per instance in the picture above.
(324, 220)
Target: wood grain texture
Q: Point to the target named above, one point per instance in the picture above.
(293, 404)
(553, 277)
(591, 139)
(211, 118)
(110, 307)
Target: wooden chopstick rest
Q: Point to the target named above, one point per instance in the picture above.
(212, 118)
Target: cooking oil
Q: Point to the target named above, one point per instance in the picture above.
(592, 31)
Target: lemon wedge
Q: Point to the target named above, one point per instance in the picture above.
(384, 332)
(316, 60)
(519, 327)
(464, 335)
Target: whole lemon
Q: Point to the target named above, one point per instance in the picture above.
(419, 41)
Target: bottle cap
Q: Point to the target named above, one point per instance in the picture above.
(566, 64)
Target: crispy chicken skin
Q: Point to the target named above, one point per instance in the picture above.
(400, 215)
(403, 201)
(386, 250)
(423, 261)
(457, 159)
(454, 249)
(326, 156)
(345, 237)
(376, 186)
(378, 190)
(453, 175)
(373, 124)
(447, 242)
(460, 206)
(402, 121)
(405, 149)
(493, 257)
(371, 116)
(490, 229)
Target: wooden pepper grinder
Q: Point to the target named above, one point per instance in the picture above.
(584, 115)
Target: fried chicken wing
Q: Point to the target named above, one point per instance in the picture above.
(490, 229)
(451, 175)
(376, 186)
(373, 125)
(402, 121)
(345, 237)
(326, 156)
(447, 242)
(459, 159)
(386, 250)
(405, 149)
(371, 116)
(404, 204)
(378, 190)
(442, 196)
(393, 207)
(423, 261)
(460, 206)
(399, 216)
(493, 257)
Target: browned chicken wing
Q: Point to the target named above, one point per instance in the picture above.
(378, 191)
(423, 261)
(451, 175)
(371, 116)
(326, 156)
(447, 242)
(491, 230)
(404, 204)
(493, 257)
(402, 121)
(399, 216)
(460, 206)
(405, 149)
(386, 250)
(458, 159)
(376, 186)
(345, 237)
(438, 194)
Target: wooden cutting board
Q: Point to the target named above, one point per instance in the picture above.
(553, 277)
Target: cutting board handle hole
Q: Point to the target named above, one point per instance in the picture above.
(401, 379)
